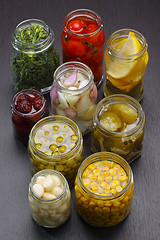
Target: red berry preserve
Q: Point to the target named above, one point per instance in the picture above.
(83, 40)
(27, 108)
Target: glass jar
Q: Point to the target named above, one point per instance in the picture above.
(120, 111)
(46, 211)
(56, 143)
(111, 205)
(74, 94)
(34, 58)
(27, 107)
(83, 40)
(126, 59)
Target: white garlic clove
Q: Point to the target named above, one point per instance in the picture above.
(38, 190)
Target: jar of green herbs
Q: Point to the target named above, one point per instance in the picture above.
(34, 58)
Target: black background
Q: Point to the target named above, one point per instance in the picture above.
(143, 221)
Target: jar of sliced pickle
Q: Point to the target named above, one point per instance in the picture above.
(104, 189)
(74, 94)
(56, 142)
(118, 126)
(49, 198)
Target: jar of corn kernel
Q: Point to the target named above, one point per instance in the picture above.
(56, 142)
(74, 94)
(49, 198)
(104, 189)
(118, 126)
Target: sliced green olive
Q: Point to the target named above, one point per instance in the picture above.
(127, 113)
(53, 147)
(111, 121)
(55, 128)
(62, 149)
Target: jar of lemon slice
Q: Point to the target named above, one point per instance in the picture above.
(126, 59)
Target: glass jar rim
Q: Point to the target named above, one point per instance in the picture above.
(125, 32)
(133, 102)
(71, 15)
(73, 65)
(50, 172)
(32, 48)
(55, 158)
(95, 157)
(25, 115)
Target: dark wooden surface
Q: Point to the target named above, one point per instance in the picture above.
(143, 222)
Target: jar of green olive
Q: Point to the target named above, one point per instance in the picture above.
(104, 189)
(118, 126)
(56, 142)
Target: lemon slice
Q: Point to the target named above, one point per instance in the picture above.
(121, 68)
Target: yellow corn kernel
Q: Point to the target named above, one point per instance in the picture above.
(105, 163)
(125, 200)
(123, 178)
(92, 204)
(86, 182)
(116, 204)
(106, 209)
(85, 174)
(64, 134)
(91, 167)
(122, 207)
(113, 191)
(96, 171)
(112, 172)
(103, 184)
(121, 172)
(105, 173)
(84, 200)
(108, 178)
(100, 203)
(119, 188)
(100, 178)
(112, 164)
(114, 183)
(107, 188)
(94, 188)
(94, 178)
(98, 210)
(114, 209)
(104, 194)
(107, 204)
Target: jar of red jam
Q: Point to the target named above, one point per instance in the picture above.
(83, 40)
(27, 107)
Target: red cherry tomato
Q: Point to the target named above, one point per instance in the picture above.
(76, 48)
(91, 28)
(76, 26)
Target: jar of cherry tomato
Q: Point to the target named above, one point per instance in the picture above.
(83, 40)
(27, 107)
